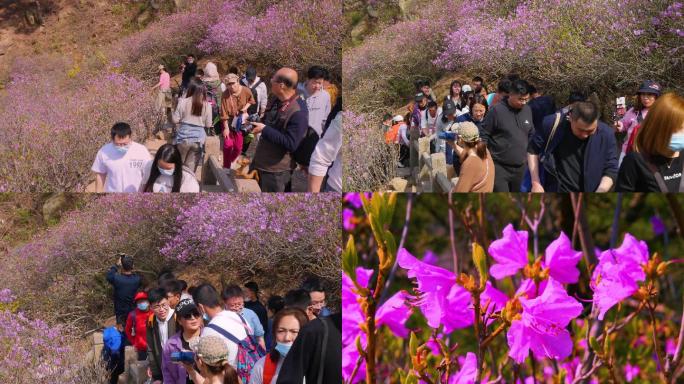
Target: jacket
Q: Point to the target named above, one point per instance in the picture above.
(629, 121)
(173, 373)
(507, 132)
(139, 340)
(284, 131)
(600, 156)
(154, 346)
(125, 287)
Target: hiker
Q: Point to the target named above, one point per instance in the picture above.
(541, 106)
(275, 304)
(656, 164)
(579, 152)
(455, 97)
(193, 112)
(164, 97)
(502, 91)
(477, 83)
(447, 123)
(316, 292)
(300, 299)
(477, 110)
(234, 301)
(125, 284)
(257, 86)
(160, 326)
(174, 292)
(166, 173)
(136, 325)
(212, 361)
(315, 354)
(404, 141)
(214, 85)
(113, 352)
(119, 165)
(419, 108)
(648, 93)
(317, 99)
(507, 129)
(428, 121)
(189, 328)
(386, 123)
(423, 86)
(477, 168)
(221, 323)
(326, 160)
(252, 302)
(189, 70)
(286, 326)
(234, 104)
(282, 132)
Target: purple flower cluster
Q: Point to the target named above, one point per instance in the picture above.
(48, 142)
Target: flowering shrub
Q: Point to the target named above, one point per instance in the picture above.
(286, 33)
(270, 238)
(49, 140)
(517, 313)
(546, 41)
(369, 163)
(274, 235)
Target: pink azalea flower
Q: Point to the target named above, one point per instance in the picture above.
(631, 372)
(393, 314)
(430, 258)
(529, 290)
(618, 272)
(562, 260)
(468, 371)
(497, 299)
(442, 301)
(541, 327)
(347, 216)
(509, 252)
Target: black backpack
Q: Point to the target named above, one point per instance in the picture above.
(254, 108)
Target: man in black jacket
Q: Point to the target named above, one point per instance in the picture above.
(581, 154)
(125, 284)
(507, 129)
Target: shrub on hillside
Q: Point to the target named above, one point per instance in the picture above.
(369, 163)
(54, 124)
(287, 33)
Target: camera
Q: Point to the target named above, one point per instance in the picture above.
(446, 135)
(246, 126)
(253, 118)
(183, 357)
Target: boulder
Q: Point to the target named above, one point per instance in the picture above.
(399, 184)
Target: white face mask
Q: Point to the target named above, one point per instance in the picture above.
(123, 148)
(167, 172)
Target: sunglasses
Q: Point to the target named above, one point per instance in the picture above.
(191, 315)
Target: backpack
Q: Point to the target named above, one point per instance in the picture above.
(112, 340)
(392, 134)
(213, 99)
(254, 108)
(249, 351)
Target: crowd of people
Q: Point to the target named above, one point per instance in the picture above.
(517, 140)
(200, 335)
(292, 123)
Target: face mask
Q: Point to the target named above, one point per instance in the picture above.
(122, 149)
(143, 306)
(167, 172)
(283, 348)
(205, 317)
(677, 142)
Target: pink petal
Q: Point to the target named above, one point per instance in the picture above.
(394, 313)
(562, 260)
(510, 253)
(468, 371)
(518, 341)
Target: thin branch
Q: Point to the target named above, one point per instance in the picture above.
(452, 236)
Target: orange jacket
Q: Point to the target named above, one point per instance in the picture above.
(392, 134)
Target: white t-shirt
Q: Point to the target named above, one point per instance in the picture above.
(164, 328)
(124, 171)
(318, 105)
(429, 122)
(231, 323)
(164, 183)
(328, 152)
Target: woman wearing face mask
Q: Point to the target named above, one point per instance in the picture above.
(286, 325)
(633, 119)
(656, 164)
(136, 324)
(166, 173)
(190, 324)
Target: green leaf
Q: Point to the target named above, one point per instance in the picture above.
(411, 379)
(350, 259)
(594, 344)
(413, 345)
(391, 245)
(480, 261)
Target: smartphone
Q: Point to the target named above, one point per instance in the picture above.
(183, 357)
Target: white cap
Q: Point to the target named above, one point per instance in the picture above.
(466, 88)
(398, 118)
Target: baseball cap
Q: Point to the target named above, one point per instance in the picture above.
(466, 88)
(419, 96)
(212, 350)
(398, 118)
(650, 86)
(186, 307)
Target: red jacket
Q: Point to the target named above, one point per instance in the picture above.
(139, 341)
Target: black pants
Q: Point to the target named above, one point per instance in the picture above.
(508, 178)
(404, 155)
(275, 181)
